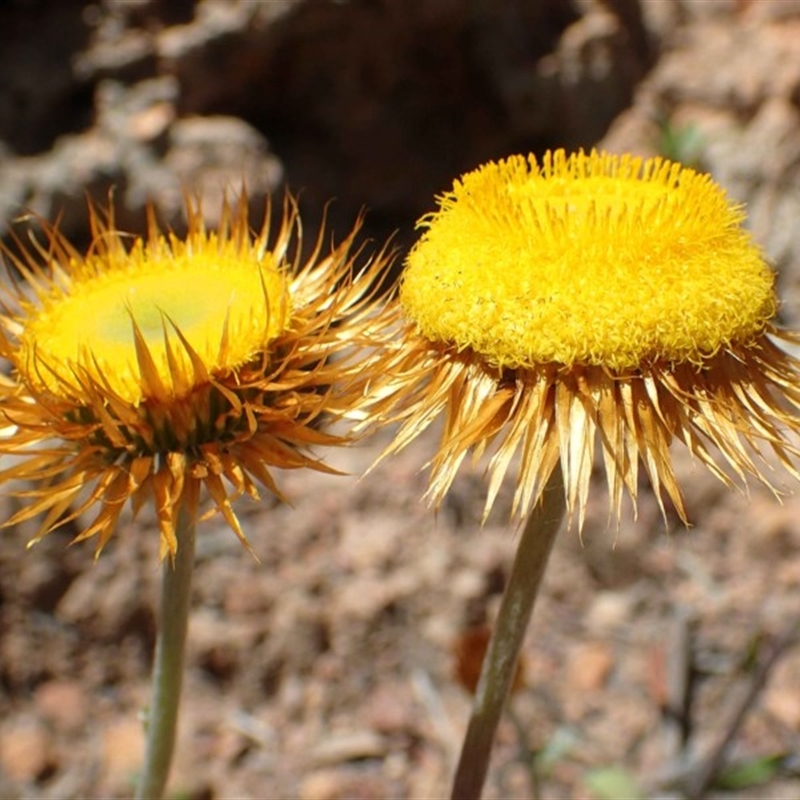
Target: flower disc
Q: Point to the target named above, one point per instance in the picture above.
(225, 304)
(587, 259)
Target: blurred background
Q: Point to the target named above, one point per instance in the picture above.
(328, 670)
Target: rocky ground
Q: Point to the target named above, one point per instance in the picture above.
(326, 669)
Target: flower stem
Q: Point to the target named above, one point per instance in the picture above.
(500, 661)
(173, 617)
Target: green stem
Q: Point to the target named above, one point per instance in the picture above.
(173, 618)
(500, 662)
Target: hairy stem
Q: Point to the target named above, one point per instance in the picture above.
(499, 664)
(173, 618)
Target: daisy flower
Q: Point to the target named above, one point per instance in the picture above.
(148, 369)
(168, 370)
(593, 302)
(585, 303)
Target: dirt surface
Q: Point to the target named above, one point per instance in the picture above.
(325, 670)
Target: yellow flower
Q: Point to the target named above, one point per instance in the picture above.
(151, 367)
(592, 301)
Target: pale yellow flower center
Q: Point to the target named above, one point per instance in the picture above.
(227, 302)
(591, 259)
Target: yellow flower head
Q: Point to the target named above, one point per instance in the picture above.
(587, 260)
(592, 300)
(151, 367)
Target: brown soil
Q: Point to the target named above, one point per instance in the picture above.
(325, 669)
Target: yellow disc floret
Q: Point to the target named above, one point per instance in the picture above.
(587, 259)
(164, 306)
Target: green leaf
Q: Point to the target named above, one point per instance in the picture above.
(613, 783)
(556, 748)
(680, 143)
(751, 773)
